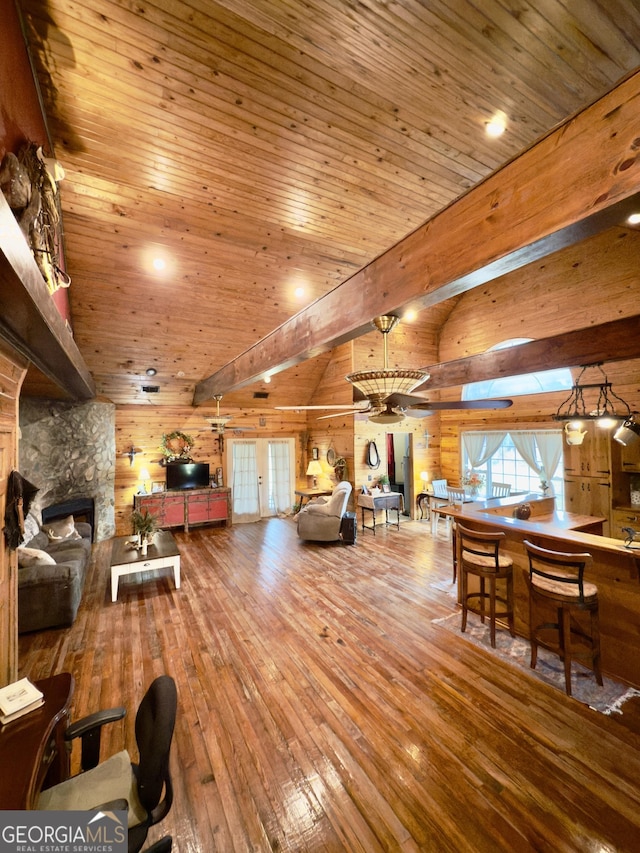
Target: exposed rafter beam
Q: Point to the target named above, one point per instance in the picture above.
(617, 340)
(578, 180)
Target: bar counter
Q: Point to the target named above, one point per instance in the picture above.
(616, 569)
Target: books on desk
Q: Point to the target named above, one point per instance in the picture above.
(18, 699)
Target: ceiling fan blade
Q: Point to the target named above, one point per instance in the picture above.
(344, 407)
(418, 413)
(351, 411)
(407, 401)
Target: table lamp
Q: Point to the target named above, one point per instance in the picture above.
(144, 476)
(314, 469)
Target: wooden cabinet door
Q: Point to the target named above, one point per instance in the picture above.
(173, 514)
(630, 457)
(592, 458)
(197, 508)
(588, 496)
(218, 508)
(624, 518)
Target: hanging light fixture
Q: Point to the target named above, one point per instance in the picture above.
(605, 408)
(628, 432)
(378, 384)
(219, 422)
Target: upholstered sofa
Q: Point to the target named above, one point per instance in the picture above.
(320, 519)
(52, 565)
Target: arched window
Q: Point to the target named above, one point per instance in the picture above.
(538, 382)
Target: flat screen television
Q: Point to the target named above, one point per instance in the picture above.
(187, 475)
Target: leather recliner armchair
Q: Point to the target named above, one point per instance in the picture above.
(320, 520)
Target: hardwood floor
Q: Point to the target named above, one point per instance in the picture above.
(320, 709)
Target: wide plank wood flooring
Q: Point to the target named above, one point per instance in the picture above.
(320, 709)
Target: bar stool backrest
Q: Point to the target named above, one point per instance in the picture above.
(558, 567)
(455, 496)
(478, 544)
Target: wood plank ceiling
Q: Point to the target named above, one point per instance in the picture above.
(260, 146)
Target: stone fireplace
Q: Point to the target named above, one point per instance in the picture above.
(68, 451)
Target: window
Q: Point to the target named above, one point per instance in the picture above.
(514, 386)
(507, 466)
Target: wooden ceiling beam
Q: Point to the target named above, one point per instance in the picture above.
(29, 320)
(578, 180)
(617, 340)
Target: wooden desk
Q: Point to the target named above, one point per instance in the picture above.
(385, 501)
(33, 753)
(309, 494)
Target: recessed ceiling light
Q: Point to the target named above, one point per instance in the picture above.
(409, 316)
(159, 264)
(267, 379)
(496, 125)
(634, 219)
(299, 292)
(151, 371)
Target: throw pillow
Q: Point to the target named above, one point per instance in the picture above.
(29, 556)
(65, 528)
(31, 528)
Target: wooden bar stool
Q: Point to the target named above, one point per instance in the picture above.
(479, 554)
(556, 579)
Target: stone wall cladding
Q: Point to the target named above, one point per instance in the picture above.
(68, 451)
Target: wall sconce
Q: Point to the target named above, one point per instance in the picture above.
(314, 469)
(628, 432)
(608, 409)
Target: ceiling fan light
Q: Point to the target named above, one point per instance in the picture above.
(380, 383)
(387, 417)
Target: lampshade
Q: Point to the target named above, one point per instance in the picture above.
(314, 469)
(628, 432)
(380, 383)
(424, 476)
(144, 474)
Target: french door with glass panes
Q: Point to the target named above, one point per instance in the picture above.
(261, 474)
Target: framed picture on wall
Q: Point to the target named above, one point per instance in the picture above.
(315, 453)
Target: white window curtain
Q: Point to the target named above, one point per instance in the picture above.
(549, 445)
(481, 446)
(246, 503)
(279, 476)
(550, 449)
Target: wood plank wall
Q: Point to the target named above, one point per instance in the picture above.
(12, 371)
(142, 427)
(594, 282)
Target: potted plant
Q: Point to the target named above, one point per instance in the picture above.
(383, 482)
(144, 526)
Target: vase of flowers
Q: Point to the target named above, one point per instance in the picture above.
(472, 481)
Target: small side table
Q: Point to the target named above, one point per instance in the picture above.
(309, 494)
(385, 501)
(424, 498)
(162, 554)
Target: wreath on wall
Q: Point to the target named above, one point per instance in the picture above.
(176, 445)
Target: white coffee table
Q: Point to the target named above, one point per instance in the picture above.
(126, 560)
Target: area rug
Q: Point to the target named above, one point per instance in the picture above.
(608, 699)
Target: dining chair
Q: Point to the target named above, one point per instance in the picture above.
(500, 490)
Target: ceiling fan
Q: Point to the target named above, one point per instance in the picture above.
(385, 393)
(219, 422)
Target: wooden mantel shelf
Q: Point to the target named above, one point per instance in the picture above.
(29, 320)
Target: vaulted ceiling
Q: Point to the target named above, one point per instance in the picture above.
(265, 146)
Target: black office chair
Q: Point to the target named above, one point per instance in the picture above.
(143, 789)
